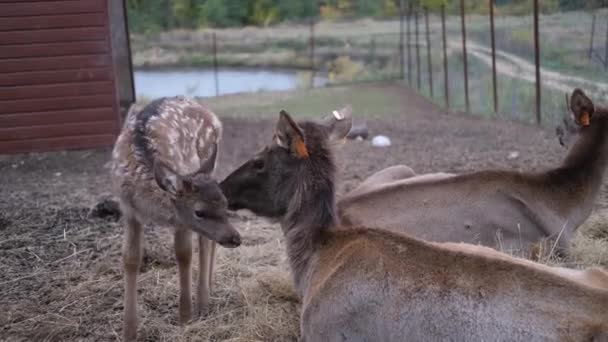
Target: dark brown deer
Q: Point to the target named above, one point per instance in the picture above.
(162, 165)
(360, 284)
(506, 209)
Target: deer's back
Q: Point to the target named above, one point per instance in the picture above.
(372, 285)
(176, 130)
(493, 208)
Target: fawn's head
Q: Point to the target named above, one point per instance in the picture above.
(198, 201)
(581, 115)
(298, 159)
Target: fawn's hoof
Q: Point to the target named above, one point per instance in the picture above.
(201, 311)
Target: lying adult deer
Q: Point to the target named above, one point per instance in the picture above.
(506, 209)
(162, 163)
(360, 284)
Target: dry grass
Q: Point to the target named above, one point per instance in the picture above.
(61, 275)
(590, 246)
(68, 284)
(252, 295)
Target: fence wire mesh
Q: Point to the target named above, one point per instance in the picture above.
(423, 48)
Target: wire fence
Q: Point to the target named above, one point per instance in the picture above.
(519, 67)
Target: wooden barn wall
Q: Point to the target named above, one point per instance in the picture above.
(57, 88)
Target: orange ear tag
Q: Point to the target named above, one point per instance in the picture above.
(300, 148)
(584, 119)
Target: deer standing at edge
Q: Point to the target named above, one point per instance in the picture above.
(361, 284)
(509, 210)
(162, 165)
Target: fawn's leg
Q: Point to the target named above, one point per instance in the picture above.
(183, 255)
(206, 252)
(131, 258)
(211, 261)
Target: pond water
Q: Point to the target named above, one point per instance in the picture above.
(201, 81)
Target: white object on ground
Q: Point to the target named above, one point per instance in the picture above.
(513, 155)
(381, 141)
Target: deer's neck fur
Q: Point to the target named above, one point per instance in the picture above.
(311, 212)
(586, 160)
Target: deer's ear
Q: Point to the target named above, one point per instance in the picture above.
(339, 123)
(167, 179)
(582, 107)
(209, 164)
(289, 135)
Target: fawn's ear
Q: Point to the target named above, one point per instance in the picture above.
(339, 123)
(289, 135)
(167, 179)
(209, 164)
(582, 107)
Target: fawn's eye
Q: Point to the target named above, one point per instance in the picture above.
(200, 214)
(258, 164)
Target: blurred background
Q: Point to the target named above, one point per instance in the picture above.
(217, 47)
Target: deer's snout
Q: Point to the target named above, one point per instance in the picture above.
(231, 241)
(227, 235)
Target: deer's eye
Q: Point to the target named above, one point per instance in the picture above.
(200, 214)
(258, 164)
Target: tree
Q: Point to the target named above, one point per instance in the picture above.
(223, 13)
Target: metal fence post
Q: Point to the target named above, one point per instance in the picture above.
(537, 62)
(401, 57)
(428, 50)
(418, 79)
(372, 48)
(445, 60)
(409, 45)
(494, 85)
(464, 55)
(592, 34)
(606, 50)
(215, 71)
(312, 52)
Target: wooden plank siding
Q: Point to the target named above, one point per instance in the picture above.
(57, 82)
(14, 65)
(56, 90)
(55, 117)
(52, 144)
(52, 22)
(21, 8)
(73, 34)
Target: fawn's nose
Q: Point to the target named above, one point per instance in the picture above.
(236, 240)
(231, 241)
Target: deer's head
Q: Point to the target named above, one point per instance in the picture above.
(297, 158)
(580, 115)
(198, 201)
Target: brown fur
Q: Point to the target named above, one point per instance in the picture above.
(505, 209)
(361, 284)
(161, 166)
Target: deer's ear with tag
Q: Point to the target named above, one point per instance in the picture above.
(289, 135)
(582, 107)
(339, 123)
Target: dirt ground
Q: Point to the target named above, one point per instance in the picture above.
(60, 271)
